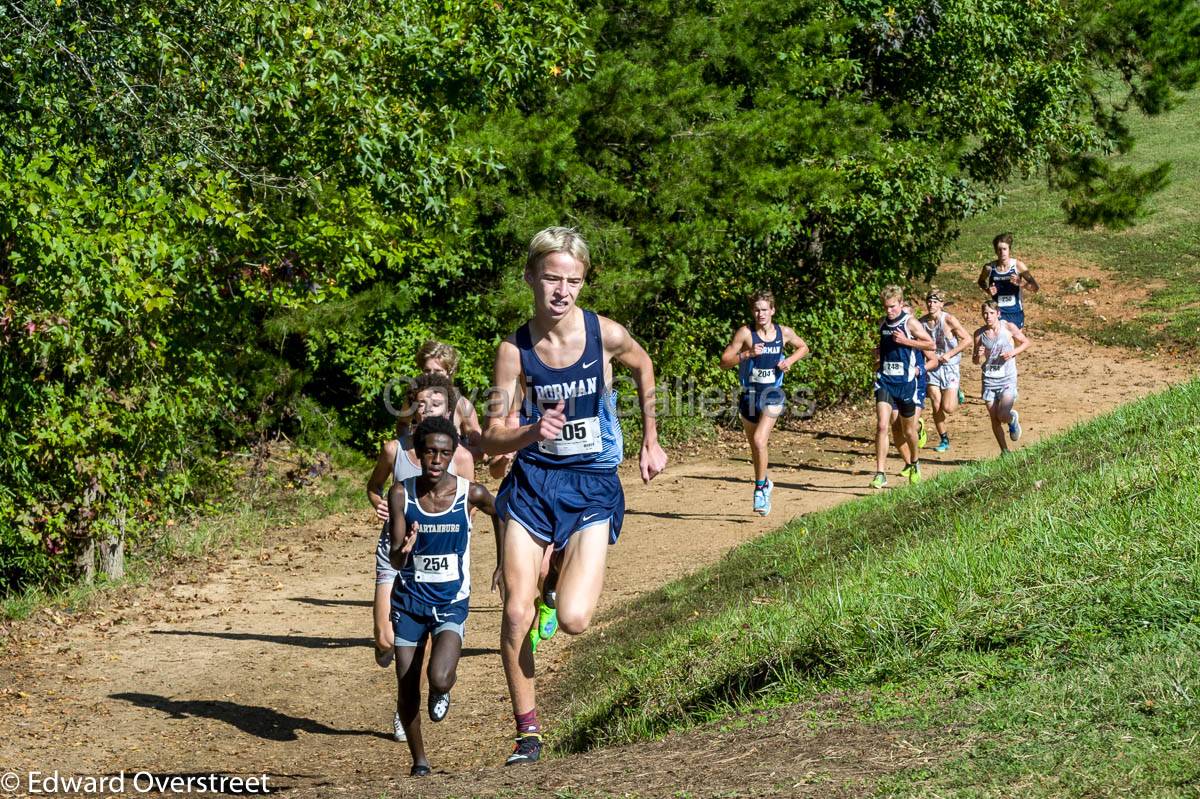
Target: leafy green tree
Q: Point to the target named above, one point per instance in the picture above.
(174, 174)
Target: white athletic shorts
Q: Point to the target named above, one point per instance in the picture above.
(945, 376)
(993, 393)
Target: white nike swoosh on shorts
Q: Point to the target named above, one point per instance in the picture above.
(588, 364)
(588, 518)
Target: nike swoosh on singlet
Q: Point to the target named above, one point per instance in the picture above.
(588, 364)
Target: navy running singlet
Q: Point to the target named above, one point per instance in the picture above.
(1008, 294)
(439, 571)
(759, 372)
(591, 439)
(898, 364)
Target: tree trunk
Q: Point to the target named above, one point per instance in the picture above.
(85, 561)
(112, 552)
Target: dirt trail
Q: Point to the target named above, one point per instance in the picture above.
(262, 662)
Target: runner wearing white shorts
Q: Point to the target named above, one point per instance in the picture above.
(951, 341)
(997, 345)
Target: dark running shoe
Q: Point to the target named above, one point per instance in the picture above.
(439, 706)
(419, 770)
(527, 750)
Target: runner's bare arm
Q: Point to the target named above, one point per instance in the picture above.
(800, 349)
(732, 356)
(469, 427)
(464, 462)
(960, 333)
(985, 276)
(622, 347)
(978, 353)
(379, 475)
(481, 498)
(401, 540)
(505, 399)
(1026, 278)
(1021, 341)
(918, 336)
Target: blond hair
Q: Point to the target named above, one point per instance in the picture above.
(557, 239)
(762, 296)
(892, 292)
(447, 355)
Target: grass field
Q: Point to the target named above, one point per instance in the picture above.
(1161, 252)
(1044, 607)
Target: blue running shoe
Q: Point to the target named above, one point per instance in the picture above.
(1014, 426)
(943, 445)
(766, 508)
(760, 500)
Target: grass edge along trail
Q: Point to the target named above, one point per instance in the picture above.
(1046, 604)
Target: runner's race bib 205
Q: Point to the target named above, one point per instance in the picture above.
(435, 568)
(578, 437)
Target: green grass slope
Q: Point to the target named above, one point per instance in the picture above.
(1044, 606)
(1161, 252)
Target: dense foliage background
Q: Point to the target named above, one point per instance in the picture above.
(226, 220)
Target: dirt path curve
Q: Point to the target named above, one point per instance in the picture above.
(262, 663)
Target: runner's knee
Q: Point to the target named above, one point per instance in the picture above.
(573, 621)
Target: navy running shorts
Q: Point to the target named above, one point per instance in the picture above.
(411, 622)
(755, 402)
(555, 503)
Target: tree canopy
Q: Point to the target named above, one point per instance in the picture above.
(228, 219)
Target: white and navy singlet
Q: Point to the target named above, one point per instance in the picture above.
(591, 438)
(438, 573)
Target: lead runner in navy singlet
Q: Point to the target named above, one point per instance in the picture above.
(1004, 279)
(553, 404)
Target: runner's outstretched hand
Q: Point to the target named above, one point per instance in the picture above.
(652, 460)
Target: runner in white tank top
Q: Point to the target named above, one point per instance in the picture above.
(997, 345)
(951, 341)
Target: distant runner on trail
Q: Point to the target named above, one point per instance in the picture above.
(1003, 279)
(428, 396)
(758, 354)
(555, 376)
(899, 358)
(431, 553)
(951, 341)
(997, 345)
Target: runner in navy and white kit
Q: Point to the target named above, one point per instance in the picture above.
(997, 345)
(428, 395)
(900, 355)
(554, 380)
(1003, 280)
(430, 520)
(758, 353)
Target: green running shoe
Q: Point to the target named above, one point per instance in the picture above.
(914, 473)
(961, 396)
(879, 481)
(547, 624)
(922, 437)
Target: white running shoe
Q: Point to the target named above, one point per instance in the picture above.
(398, 733)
